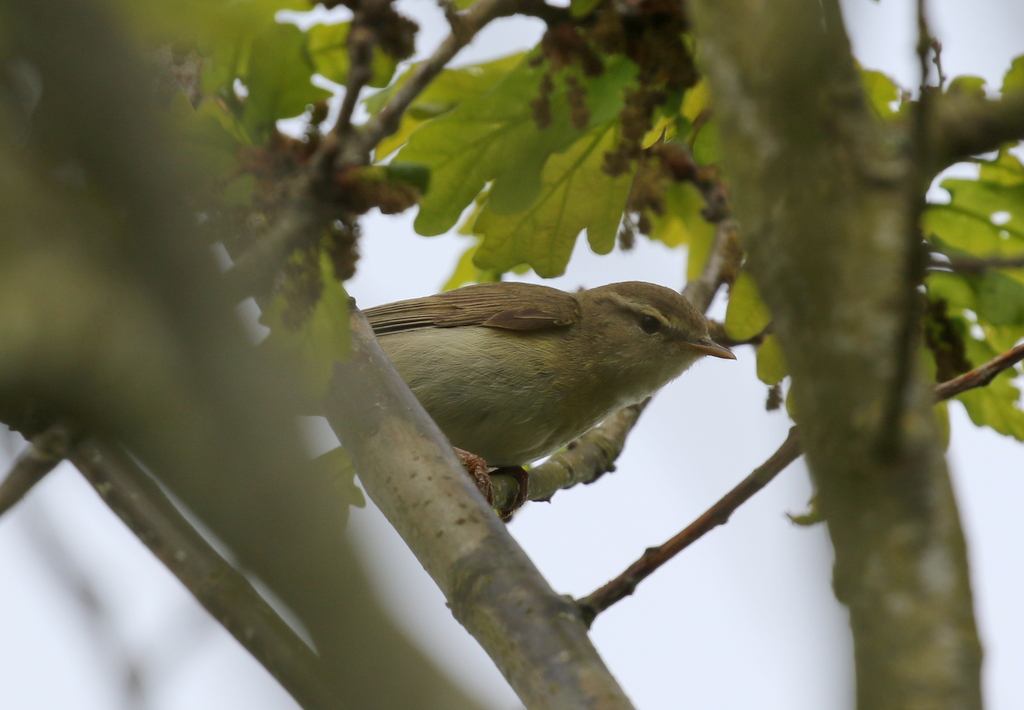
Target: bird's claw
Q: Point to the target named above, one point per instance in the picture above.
(481, 473)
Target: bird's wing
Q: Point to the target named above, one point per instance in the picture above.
(511, 306)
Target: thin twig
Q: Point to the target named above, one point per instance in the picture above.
(979, 376)
(222, 590)
(969, 265)
(361, 40)
(38, 459)
(654, 557)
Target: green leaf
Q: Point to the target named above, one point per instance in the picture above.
(582, 8)
(985, 217)
(1000, 299)
(450, 88)
(492, 137)
(1006, 170)
(211, 136)
(682, 221)
(747, 314)
(278, 79)
(881, 91)
(997, 404)
(951, 288)
(575, 194)
(813, 516)
(414, 174)
(222, 30)
(696, 100)
(706, 147)
(1014, 78)
(771, 367)
(329, 53)
(467, 272)
(967, 86)
(321, 341)
(941, 412)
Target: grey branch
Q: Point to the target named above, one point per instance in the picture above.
(584, 461)
(409, 469)
(38, 459)
(222, 590)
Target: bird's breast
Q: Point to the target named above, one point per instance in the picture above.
(505, 396)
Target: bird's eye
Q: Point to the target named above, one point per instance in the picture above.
(650, 325)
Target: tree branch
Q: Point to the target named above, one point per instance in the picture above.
(979, 376)
(222, 590)
(974, 265)
(822, 198)
(386, 122)
(962, 126)
(361, 40)
(583, 461)
(38, 459)
(718, 514)
(410, 470)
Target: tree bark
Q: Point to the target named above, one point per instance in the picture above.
(821, 190)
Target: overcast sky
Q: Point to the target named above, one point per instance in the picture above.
(745, 618)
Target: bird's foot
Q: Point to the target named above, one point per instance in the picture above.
(522, 477)
(481, 473)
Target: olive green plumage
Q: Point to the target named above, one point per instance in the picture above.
(513, 372)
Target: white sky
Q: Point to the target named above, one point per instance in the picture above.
(744, 618)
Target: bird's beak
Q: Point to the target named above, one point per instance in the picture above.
(707, 346)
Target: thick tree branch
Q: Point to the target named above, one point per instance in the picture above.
(222, 590)
(821, 195)
(962, 126)
(38, 459)
(409, 469)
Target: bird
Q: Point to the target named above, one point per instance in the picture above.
(512, 372)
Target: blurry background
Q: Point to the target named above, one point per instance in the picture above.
(744, 618)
